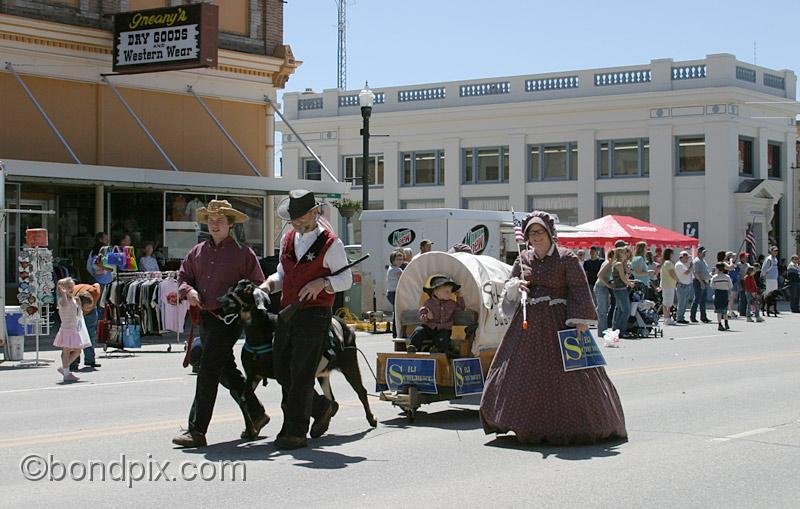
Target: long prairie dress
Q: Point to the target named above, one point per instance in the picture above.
(527, 390)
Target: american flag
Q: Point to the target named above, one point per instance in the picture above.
(750, 241)
(518, 235)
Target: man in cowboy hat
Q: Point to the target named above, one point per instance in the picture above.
(309, 255)
(209, 269)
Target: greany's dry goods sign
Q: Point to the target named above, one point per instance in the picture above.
(163, 39)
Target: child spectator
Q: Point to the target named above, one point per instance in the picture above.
(68, 338)
(721, 283)
(393, 274)
(751, 291)
(436, 315)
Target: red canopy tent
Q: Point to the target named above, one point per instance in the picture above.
(605, 231)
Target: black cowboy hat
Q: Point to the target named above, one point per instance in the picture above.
(300, 201)
(438, 280)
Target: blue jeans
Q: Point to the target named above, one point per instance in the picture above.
(752, 306)
(794, 296)
(602, 297)
(684, 291)
(741, 296)
(88, 352)
(390, 296)
(622, 311)
(91, 328)
(699, 300)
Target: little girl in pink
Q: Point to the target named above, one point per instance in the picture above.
(68, 337)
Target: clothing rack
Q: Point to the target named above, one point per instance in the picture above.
(141, 275)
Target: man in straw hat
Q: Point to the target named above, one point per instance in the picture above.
(209, 269)
(309, 255)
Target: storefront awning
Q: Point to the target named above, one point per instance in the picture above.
(187, 181)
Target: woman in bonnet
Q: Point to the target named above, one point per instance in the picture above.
(527, 390)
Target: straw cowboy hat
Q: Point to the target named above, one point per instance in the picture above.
(220, 207)
(298, 204)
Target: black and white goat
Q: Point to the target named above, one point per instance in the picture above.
(251, 304)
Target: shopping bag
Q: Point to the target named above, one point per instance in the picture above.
(114, 335)
(131, 336)
(116, 258)
(130, 259)
(86, 341)
(103, 326)
(611, 338)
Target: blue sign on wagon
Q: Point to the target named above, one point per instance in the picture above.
(419, 373)
(467, 376)
(579, 351)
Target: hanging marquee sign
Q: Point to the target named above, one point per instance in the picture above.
(181, 37)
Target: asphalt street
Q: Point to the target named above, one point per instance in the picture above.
(713, 419)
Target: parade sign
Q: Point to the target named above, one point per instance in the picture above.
(180, 37)
(411, 372)
(579, 351)
(467, 376)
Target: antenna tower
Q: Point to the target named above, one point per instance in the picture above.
(341, 50)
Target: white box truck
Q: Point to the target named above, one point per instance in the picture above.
(489, 233)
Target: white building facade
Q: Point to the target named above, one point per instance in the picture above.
(704, 146)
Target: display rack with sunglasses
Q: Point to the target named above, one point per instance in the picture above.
(35, 294)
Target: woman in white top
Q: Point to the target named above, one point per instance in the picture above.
(669, 282)
(148, 263)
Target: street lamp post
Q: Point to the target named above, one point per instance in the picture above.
(366, 99)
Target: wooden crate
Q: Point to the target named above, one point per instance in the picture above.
(486, 357)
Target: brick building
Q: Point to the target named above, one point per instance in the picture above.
(138, 153)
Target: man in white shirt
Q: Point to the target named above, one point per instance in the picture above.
(683, 269)
(309, 256)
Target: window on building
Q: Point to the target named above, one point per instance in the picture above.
(486, 165)
(691, 155)
(423, 168)
(553, 161)
(774, 151)
(435, 203)
(745, 156)
(626, 204)
(353, 167)
(565, 206)
(311, 170)
(486, 203)
(623, 158)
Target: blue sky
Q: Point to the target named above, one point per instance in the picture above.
(392, 43)
(420, 41)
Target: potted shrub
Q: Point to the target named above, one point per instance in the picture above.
(347, 207)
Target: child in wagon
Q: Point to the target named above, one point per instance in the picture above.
(436, 315)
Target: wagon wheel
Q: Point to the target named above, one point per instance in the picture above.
(413, 404)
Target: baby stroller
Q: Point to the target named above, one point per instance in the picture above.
(643, 321)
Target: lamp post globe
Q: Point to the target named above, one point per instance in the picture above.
(366, 98)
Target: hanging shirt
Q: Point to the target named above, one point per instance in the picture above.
(172, 315)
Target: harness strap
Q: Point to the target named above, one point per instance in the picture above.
(258, 350)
